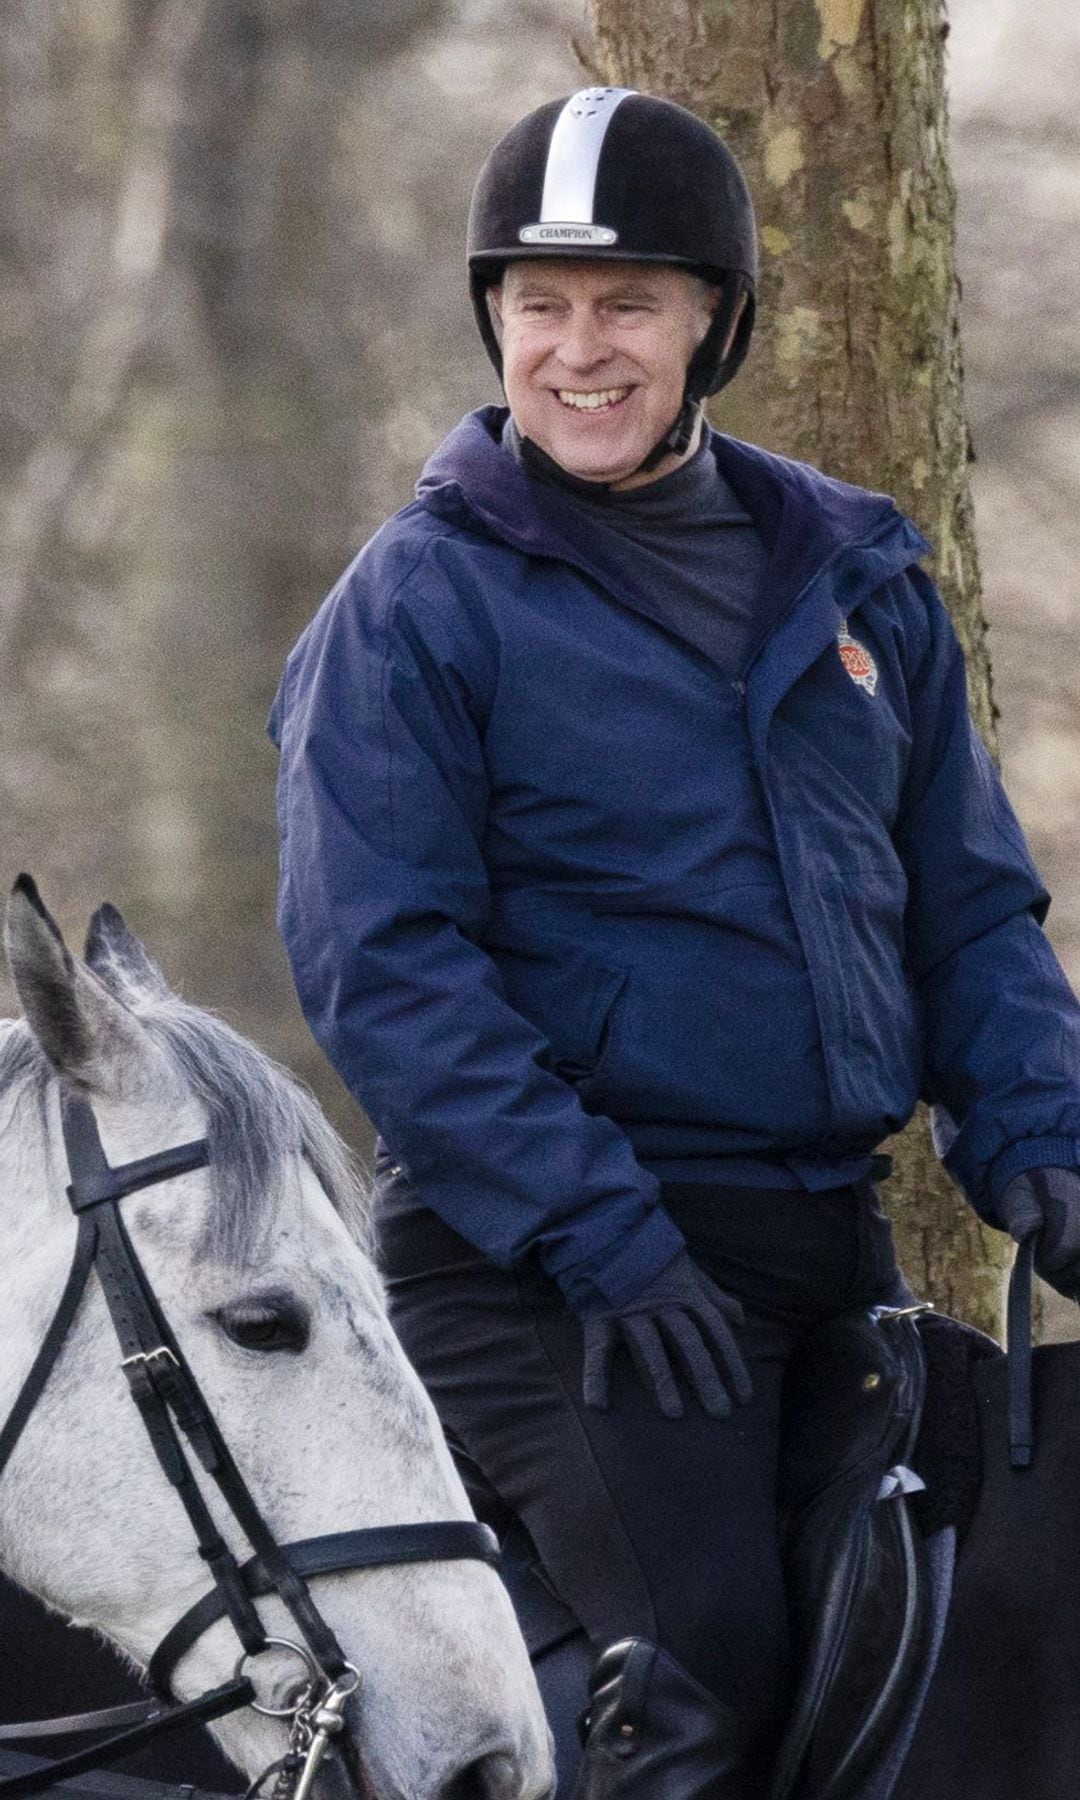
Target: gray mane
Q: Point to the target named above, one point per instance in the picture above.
(22, 1061)
(257, 1115)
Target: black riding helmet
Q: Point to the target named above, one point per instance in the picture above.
(621, 176)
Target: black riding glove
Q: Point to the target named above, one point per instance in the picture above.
(1046, 1203)
(679, 1325)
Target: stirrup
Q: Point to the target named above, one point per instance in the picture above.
(654, 1733)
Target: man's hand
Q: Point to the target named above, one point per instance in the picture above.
(1046, 1203)
(680, 1325)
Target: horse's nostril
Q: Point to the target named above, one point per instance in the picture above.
(491, 1777)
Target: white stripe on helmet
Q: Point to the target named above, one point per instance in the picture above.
(574, 155)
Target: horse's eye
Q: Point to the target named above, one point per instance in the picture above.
(265, 1324)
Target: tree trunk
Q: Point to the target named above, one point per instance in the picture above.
(836, 110)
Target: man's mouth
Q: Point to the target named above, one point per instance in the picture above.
(598, 400)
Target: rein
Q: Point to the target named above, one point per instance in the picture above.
(173, 1412)
(1021, 1367)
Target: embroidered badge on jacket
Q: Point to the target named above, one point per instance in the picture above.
(856, 659)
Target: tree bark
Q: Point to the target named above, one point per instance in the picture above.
(836, 111)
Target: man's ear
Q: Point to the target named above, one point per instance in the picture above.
(739, 310)
(709, 295)
(735, 323)
(494, 298)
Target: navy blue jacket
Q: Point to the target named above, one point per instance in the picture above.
(506, 883)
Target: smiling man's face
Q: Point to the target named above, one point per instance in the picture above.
(595, 357)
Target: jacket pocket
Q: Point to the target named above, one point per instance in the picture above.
(567, 996)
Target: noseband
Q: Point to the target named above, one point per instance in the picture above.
(174, 1411)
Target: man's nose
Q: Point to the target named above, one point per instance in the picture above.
(584, 342)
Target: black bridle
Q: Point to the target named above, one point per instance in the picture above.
(173, 1410)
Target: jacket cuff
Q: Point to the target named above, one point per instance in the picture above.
(1030, 1153)
(634, 1263)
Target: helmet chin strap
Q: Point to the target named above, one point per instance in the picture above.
(675, 442)
(677, 438)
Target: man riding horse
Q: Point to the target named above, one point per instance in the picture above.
(641, 869)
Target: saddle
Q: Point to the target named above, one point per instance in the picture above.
(881, 1474)
(881, 1480)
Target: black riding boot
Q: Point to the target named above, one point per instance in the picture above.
(654, 1733)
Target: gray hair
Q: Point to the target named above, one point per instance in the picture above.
(258, 1117)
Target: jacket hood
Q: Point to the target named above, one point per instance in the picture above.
(806, 519)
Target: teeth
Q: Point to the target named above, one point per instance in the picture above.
(590, 402)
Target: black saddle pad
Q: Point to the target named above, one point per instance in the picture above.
(49, 1668)
(104, 1784)
(1002, 1720)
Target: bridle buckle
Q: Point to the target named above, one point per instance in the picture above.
(148, 1356)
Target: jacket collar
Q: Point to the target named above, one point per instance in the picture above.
(828, 542)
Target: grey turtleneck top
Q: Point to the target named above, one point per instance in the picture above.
(686, 541)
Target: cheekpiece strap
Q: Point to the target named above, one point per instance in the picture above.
(52, 1343)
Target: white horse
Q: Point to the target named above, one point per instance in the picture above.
(261, 1267)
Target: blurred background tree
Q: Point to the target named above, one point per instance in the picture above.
(233, 323)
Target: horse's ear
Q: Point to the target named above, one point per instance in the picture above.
(85, 1031)
(121, 961)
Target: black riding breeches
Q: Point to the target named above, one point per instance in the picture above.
(652, 1527)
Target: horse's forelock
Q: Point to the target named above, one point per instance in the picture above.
(258, 1117)
(21, 1056)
